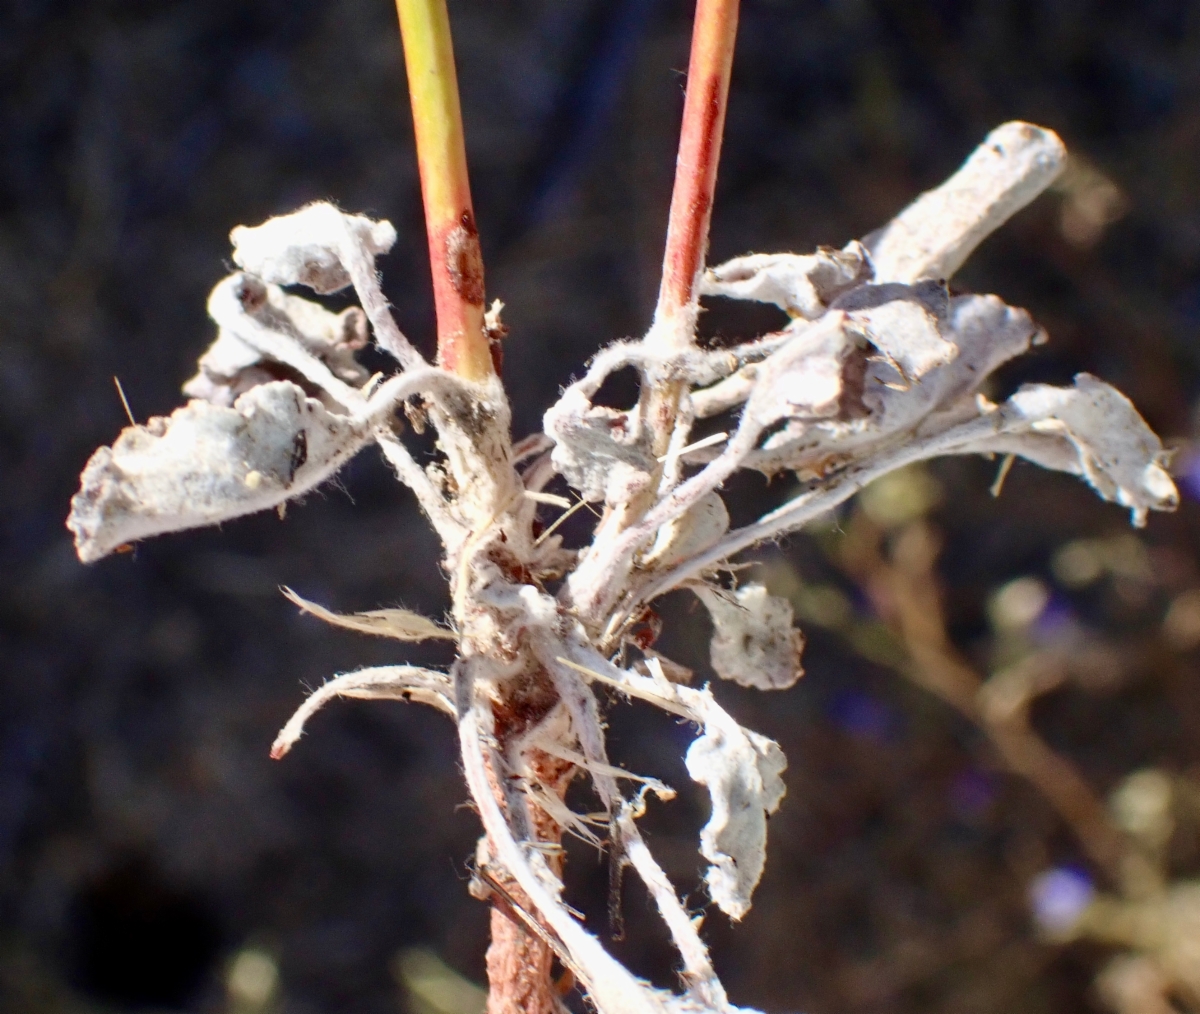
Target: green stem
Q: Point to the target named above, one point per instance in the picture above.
(454, 252)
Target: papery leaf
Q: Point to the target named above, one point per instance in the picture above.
(903, 322)
(400, 624)
(1091, 430)
(803, 285)
(208, 463)
(308, 247)
(805, 378)
(239, 359)
(741, 770)
(984, 333)
(600, 451)
(934, 235)
(753, 643)
(692, 533)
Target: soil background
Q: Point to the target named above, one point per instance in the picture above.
(146, 838)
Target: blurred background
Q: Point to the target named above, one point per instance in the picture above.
(152, 858)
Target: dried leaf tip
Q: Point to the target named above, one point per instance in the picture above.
(935, 235)
(400, 624)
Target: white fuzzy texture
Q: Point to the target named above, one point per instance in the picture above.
(802, 285)
(206, 464)
(934, 235)
(753, 643)
(1091, 430)
(741, 771)
(307, 246)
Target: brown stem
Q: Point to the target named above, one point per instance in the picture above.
(713, 37)
(519, 960)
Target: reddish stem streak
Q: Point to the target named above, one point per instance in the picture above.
(709, 70)
(458, 291)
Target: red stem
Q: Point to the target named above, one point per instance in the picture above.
(713, 37)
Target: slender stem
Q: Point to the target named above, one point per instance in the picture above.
(454, 253)
(713, 37)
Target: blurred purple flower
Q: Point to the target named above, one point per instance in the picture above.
(1056, 623)
(861, 715)
(971, 794)
(1059, 897)
(1187, 471)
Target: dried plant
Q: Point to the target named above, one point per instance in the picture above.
(880, 366)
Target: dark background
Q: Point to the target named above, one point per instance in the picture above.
(144, 835)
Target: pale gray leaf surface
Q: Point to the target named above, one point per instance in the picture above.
(754, 642)
(399, 624)
(983, 333)
(741, 770)
(691, 533)
(903, 322)
(235, 362)
(207, 463)
(599, 450)
(1091, 430)
(803, 285)
(934, 235)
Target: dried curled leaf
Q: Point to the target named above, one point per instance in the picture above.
(400, 624)
(741, 770)
(1091, 430)
(904, 323)
(383, 683)
(207, 463)
(803, 285)
(753, 643)
(309, 247)
(806, 378)
(600, 451)
(982, 333)
(238, 360)
(934, 235)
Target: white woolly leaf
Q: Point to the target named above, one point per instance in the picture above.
(598, 450)
(753, 643)
(741, 770)
(1091, 430)
(207, 463)
(802, 285)
(983, 332)
(400, 624)
(240, 358)
(803, 379)
(309, 246)
(903, 322)
(934, 235)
